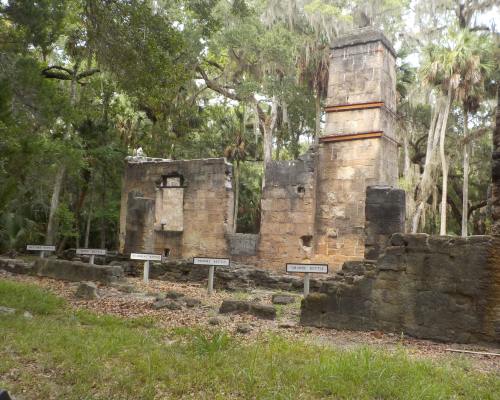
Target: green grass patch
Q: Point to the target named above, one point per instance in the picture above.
(79, 355)
(31, 298)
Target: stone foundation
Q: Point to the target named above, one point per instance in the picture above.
(74, 271)
(235, 277)
(442, 288)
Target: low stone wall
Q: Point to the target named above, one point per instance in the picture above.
(235, 277)
(75, 271)
(17, 266)
(443, 288)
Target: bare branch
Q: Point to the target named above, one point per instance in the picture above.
(215, 86)
(477, 206)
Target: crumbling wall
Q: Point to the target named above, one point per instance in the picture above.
(443, 288)
(385, 211)
(207, 209)
(234, 277)
(139, 223)
(287, 221)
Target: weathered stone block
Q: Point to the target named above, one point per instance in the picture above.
(77, 271)
(87, 291)
(263, 311)
(283, 299)
(234, 306)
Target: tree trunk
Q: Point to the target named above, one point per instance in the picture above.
(89, 220)
(103, 218)
(495, 171)
(54, 205)
(87, 227)
(56, 193)
(424, 187)
(268, 138)
(444, 165)
(268, 133)
(465, 190)
(236, 194)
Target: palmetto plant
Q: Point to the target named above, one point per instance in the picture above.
(15, 230)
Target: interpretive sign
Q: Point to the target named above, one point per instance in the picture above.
(36, 247)
(212, 263)
(91, 252)
(41, 248)
(307, 269)
(146, 258)
(222, 262)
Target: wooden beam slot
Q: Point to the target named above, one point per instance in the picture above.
(354, 107)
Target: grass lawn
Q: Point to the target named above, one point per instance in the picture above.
(63, 353)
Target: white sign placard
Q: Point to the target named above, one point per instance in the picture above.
(220, 262)
(308, 268)
(36, 247)
(97, 252)
(145, 257)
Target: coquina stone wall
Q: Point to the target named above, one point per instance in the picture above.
(436, 287)
(177, 208)
(385, 210)
(288, 208)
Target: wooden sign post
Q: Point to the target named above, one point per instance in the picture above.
(211, 263)
(42, 249)
(307, 269)
(92, 253)
(147, 258)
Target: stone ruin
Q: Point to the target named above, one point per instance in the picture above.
(313, 208)
(336, 204)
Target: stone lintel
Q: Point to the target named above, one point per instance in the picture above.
(363, 36)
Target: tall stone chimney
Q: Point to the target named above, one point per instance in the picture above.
(358, 148)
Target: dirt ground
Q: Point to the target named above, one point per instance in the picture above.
(113, 300)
